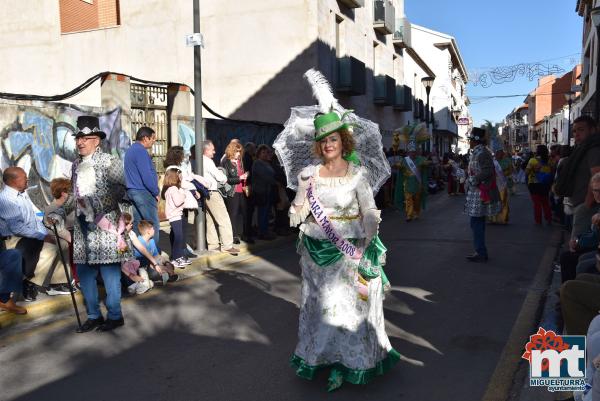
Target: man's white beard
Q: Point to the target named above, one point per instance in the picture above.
(86, 187)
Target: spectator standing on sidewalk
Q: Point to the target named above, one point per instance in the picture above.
(482, 198)
(236, 200)
(99, 184)
(248, 161)
(142, 180)
(263, 184)
(576, 171)
(216, 213)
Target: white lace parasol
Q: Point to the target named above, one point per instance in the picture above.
(294, 145)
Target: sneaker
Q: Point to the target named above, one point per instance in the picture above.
(232, 251)
(178, 263)
(58, 289)
(30, 292)
(185, 260)
(190, 254)
(173, 278)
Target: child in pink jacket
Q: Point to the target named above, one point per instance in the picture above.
(174, 197)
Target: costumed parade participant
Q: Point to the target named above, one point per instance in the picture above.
(335, 161)
(503, 168)
(413, 168)
(395, 160)
(98, 185)
(482, 198)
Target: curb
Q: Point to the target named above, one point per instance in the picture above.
(53, 305)
(502, 380)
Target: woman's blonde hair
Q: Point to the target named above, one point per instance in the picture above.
(232, 148)
(172, 179)
(348, 143)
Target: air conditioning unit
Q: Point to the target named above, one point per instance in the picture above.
(384, 90)
(351, 74)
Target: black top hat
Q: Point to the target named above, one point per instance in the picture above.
(477, 134)
(89, 126)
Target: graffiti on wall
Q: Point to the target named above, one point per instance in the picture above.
(40, 140)
(220, 132)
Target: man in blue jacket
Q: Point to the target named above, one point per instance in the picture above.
(142, 181)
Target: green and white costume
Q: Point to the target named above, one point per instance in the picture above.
(338, 330)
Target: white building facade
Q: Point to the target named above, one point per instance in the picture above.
(448, 98)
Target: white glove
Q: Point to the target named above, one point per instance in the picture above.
(371, 220)
(300, 198)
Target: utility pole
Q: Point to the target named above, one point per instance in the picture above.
(198, 154)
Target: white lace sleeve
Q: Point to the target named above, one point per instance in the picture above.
(366, 202)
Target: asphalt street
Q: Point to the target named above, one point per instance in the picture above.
(228, 334)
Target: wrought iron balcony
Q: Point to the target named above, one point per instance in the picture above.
(383, 16)
(350, 76)
(384, 90)
(353, 3)
(402, 36)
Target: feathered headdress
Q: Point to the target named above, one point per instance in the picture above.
(413, 134)
(322, 91)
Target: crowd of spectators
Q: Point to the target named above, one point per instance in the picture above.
(244, 198)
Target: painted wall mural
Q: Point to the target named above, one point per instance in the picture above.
(39, 138)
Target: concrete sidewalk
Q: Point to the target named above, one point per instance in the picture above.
(45, 307)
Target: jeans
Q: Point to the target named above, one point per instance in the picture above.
(478, 228)
(176, 239)
(11, 275)
(263, 218)
(145, 207)
(111, 274)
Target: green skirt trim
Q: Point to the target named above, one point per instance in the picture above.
(341, 373)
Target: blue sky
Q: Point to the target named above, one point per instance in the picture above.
(503, 33)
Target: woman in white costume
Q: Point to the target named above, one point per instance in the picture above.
(342, 327)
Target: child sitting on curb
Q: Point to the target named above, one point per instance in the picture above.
(140, 277)
(163, 270)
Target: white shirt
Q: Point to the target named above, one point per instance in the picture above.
(18, 215)
(212, 174)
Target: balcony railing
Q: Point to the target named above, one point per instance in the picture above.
(402, 37)
(353, 3)
(384, 90)
(351, 76)
(383, 16)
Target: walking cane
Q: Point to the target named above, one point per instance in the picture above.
(72, 290)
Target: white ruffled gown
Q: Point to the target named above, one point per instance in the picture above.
(337, 329)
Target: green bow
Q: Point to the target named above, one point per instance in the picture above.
(352, 158)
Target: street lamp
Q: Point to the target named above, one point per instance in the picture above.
(595, 15)
(428, 83)
(570, 96)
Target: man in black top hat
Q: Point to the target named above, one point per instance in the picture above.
(483, 198)
(98, 186)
